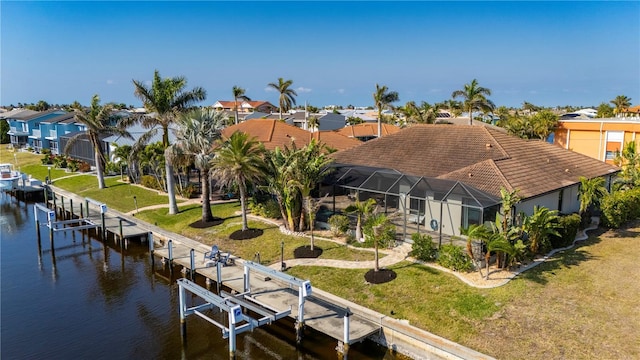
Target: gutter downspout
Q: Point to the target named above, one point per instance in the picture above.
(600, 143)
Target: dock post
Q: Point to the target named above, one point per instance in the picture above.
(55, 207)
(86, 205)
(51, 235)
(343, 346)
(193, 262)
(247, 282)
(170, 250)
(46, 196)
(300, 320)
(71, 208)
(81, 211)
(38, 229)
(218, 276)
(183, 308)
(121, 236)
(64, 217)
(151, 247)
(104, 228)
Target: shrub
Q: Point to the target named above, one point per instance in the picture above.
(268, 208)
(619, 207)
(46, 151)
(47, 159)
(60, 161)
(84, 166)
(387, 236)
(111, 168)
(569, 225)
(423, 247)
(73, 165)
(339, 224)
(149, 181)
(454, 258)
(188, 191)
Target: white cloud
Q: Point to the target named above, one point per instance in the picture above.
(340, 91)
(303, 90)
(269, 89)
(110, 82)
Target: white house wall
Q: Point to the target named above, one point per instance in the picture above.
(550, 201)
(570, 200)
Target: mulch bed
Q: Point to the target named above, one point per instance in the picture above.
(246, 234)
(380, 277)
(306, 252)
(203, 225)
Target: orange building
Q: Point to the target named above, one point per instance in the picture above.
(597, 138)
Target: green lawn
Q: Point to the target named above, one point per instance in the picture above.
(268, 245)
(581, 304)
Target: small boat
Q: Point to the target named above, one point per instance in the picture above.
(9, 178)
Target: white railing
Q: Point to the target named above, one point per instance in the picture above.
(36, 133)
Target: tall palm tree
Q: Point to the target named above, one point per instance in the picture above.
(629, 160)
(312, 167)
(164, 100)
(454, 107)
(382, 98)
(238, 93)
(239, 161)
(475, 98)
(287, 98)
(98, 122)
(198, 131)
(621, 102)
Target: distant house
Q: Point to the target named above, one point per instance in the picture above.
(599, 138)
(275, 133)
(52, 128)
(24, 127)
(448, 177)
(245, 106)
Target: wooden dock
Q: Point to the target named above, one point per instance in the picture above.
(321, 315)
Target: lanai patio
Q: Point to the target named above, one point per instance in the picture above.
(416, 204)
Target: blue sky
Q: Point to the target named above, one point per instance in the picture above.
(545, 53)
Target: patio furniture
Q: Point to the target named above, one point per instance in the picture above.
(212, 257)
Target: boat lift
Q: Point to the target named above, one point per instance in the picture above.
(63, 225)
(232, 305)
(304, 289)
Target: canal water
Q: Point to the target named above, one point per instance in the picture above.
(90, 300)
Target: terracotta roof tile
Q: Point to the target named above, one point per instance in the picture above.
(274, 133)
(367, 130)
(479, 156)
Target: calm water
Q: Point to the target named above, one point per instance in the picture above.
(88, 301)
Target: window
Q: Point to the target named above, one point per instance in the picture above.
(610, 155)
(25, 127)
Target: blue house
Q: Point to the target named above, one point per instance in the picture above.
(52, 128)
(24, 128)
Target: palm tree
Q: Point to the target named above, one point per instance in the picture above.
(313, 123)
(622, 103)
(312, 167)
(164, 100)
(239, 161)
(475, 98)
(238, 93)
(98, 122)
(121, 154)
(590, 192)
(362, 209)
(540, 227)
(378, 222)
(509, 200)
(382, 99)
(629, 161)
(454, 107)
(287, 98)
(198, 131)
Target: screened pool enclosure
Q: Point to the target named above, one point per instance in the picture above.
(415, 203)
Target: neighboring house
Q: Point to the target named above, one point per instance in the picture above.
(24, 127)
(275, 133)
(448, 177)
(331, 121)
(367, 131)
(50, 130)
(598, 138)
(245, 106)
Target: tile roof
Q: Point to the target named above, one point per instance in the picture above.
(480, 156)
(275, 133)
(367, 129)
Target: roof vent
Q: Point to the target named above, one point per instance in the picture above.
(566, 170)
(489, 146)
(470, 175)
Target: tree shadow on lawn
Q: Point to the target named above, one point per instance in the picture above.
(305, 252)
(561, 260)
(246, 234)
(203, 225)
